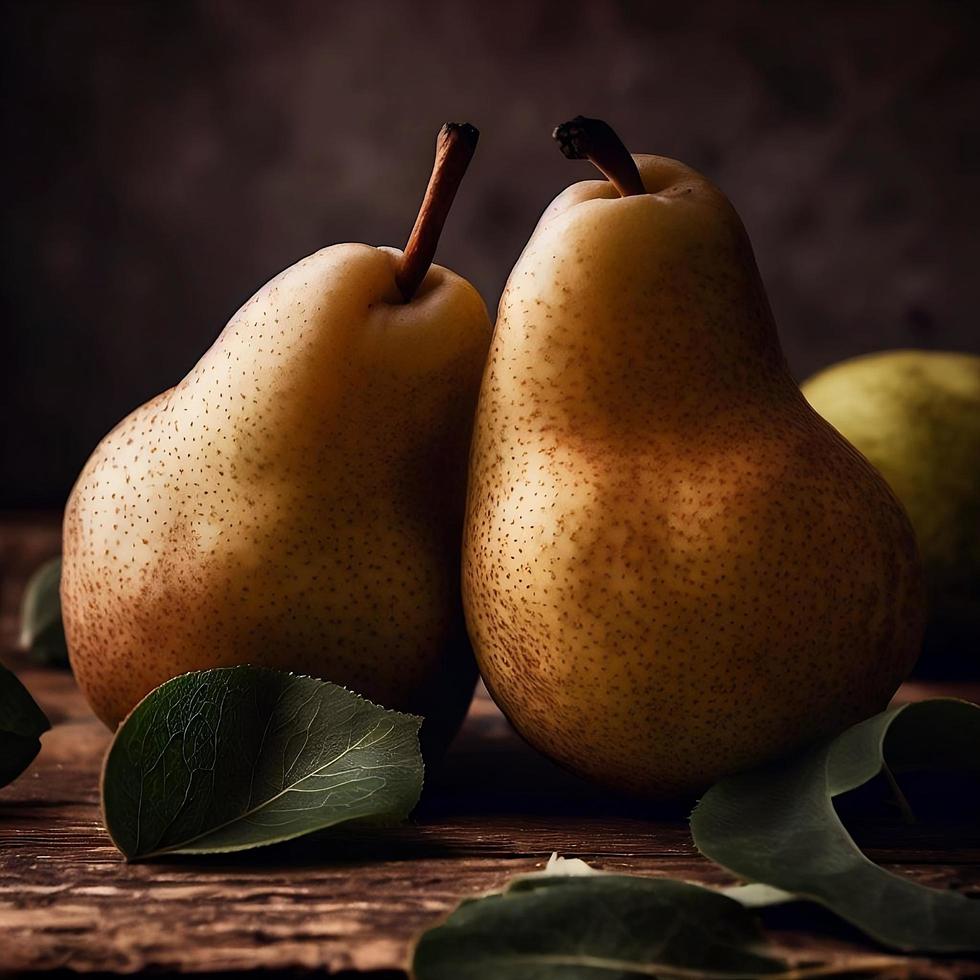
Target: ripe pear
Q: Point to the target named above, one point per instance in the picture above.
(673, 568)
(915, 414)
(297, 500)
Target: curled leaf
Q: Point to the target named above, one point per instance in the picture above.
(777, 825)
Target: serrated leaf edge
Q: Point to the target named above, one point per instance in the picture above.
(134, 859)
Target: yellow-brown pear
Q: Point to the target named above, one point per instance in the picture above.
(297, 500)
(673, 568)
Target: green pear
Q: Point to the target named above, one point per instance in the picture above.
(297, 500)
(916, 415)
(673, 568)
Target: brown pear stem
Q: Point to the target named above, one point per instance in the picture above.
(596, 141)
(455, 146)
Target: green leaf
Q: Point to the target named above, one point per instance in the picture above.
(22, 723)
(596, 926)
(239, 757)
(777, 825)
(41, 630)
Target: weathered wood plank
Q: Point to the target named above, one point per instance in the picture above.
(338, 902)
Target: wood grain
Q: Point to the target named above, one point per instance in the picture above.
(345, 902)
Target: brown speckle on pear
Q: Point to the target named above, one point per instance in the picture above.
(673, 569)
(295, 502)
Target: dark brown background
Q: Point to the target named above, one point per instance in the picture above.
(162, 160)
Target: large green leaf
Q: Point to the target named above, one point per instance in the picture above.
(572, 923)
(22, 723)
(238, 757)
(42, 633)
(777, 825)
(601, 926)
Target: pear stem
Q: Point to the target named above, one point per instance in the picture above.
(596, 141)
(455, 146)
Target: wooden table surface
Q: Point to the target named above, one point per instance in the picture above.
(69, 901)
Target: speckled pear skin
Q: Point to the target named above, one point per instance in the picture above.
(296, 501)
(673, 568)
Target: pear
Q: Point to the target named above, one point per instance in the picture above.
(673, 568)
(297, 500)
(915, 414)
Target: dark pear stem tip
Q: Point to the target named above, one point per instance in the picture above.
(596, 141)
(573, 136)
(455, 146)
(462, 131)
